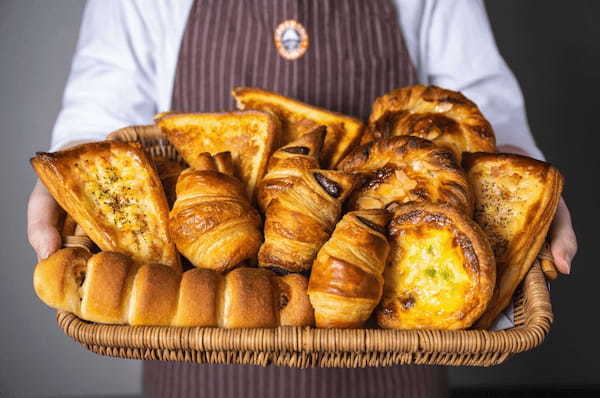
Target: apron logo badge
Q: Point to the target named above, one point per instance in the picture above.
(291, 39)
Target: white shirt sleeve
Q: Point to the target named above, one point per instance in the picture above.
(112, 79)
(457, 50)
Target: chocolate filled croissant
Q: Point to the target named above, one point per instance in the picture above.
(212, 222)
(346, 280)
(301, 218)
(109, 288)
(288, 162)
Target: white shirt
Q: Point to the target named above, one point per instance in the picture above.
(124, 65)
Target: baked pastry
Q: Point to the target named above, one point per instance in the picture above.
(287, 163)
(406, 169)
(212, 222)
(168, 171)
(516, 198)
(441, 271)
(343, 132)
(301, 218)
(249, 136)
(445, 117)
(113, 192)
(346, 279)
(109, 288)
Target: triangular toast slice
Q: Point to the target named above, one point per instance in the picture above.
(516, 198)
(343, 132)
(113, 192)
(249, 136)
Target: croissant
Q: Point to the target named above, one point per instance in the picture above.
(346, 279)
(301, 218)
(212, 222)
(406, 169)
(445, 117)
(286, 164)
(441, 271)
(109, 288)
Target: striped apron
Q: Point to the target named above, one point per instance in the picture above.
(356, 52)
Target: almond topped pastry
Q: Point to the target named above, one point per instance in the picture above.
(445, 117)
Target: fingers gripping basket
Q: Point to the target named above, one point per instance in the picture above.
(309, 347)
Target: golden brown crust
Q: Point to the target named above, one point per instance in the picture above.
(212, 222)
(343, 132)
(441, 271)
(250, 136)
(445, 117)
(406, 169)
(346, 280)
(168, 171)
(516, 199)
(286, 164)
(114, 193)
(109, 288)
(301, 218)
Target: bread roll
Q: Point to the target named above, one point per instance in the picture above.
(109, 288)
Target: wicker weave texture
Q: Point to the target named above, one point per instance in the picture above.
(310, 347)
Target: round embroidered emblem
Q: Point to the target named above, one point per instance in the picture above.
(291, 39)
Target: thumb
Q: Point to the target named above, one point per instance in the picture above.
(43, 215)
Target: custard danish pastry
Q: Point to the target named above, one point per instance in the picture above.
(441, 271)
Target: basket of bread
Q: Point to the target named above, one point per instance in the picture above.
(286, 234)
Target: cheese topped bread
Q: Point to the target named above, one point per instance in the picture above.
(113, 192)
(515, 201)
(249, 136)
(343, 132)
(441, 271)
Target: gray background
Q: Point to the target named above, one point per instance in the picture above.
(553, 50)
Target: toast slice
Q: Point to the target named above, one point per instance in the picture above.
(250, 137)
(516, 198)
(343, 132)
(113, 192)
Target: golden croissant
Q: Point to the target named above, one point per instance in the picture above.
(346, 279)
(212, 222)
(109, 288)
(301, 218)
(288, 162)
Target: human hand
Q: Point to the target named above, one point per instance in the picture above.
(43, 217)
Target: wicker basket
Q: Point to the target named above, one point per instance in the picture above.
(308, 347)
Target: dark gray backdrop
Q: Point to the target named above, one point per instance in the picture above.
(552, 47)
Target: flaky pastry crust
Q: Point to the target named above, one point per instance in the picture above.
(343, 132)
(441, 271)
(406, 169)
(516, 199)
(445, 117)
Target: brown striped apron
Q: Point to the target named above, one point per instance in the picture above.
(356, 52)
